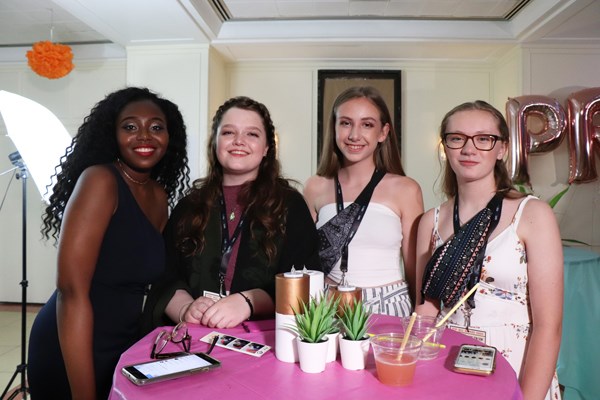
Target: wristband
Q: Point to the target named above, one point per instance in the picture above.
(249, 304)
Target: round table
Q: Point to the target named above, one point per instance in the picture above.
(245, 377)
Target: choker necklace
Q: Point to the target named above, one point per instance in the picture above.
(128, 176)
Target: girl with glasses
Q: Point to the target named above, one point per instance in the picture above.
(518, 305)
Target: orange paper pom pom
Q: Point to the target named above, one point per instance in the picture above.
(50, 60)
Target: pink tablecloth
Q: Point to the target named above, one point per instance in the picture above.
(245, 377)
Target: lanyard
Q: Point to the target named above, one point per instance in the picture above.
(494, 205)
(363, 201)
(227, 243)
(340, 207)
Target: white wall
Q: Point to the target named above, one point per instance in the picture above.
(70, 98)
(558, 72)
(508, 78)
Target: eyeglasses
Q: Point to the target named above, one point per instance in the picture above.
(179, 334)
(481, 142)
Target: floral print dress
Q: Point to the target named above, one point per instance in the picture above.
(501, 317)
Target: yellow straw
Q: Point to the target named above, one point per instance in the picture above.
(452, 310)
(429, 344)
(411, 322)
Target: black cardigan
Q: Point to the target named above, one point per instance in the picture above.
(200, 272)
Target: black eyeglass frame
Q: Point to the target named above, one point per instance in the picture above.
(165, 337)
(495, 139)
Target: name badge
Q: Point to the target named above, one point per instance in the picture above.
(474, 333)
(211, 295)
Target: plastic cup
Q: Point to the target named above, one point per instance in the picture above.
(395, 368)
(425, 327)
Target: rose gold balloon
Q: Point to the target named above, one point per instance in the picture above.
(584, 136)
(521, 111)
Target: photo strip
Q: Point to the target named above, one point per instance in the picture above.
(237, 344)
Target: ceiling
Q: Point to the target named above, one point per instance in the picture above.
(480, 30)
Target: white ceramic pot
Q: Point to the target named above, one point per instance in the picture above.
(354, 353)
(332, 350)
(312, 356)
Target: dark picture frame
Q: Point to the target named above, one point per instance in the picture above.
(332, 82)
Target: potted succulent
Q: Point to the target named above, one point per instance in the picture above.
(333, 338)
(314, 321)
(354, 343)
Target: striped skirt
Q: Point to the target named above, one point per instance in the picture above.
(390, 299)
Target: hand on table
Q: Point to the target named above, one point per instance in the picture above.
(195, 311)
(227, 312)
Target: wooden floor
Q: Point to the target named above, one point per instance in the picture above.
(10, 342)
(17, 307)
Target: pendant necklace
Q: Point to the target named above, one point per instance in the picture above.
(128, 176)
(230, 200)
(232, 215)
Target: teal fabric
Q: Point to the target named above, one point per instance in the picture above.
(579, 350)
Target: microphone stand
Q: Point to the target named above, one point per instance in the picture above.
(16, 159)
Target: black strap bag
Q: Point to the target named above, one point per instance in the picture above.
(455, 267)
(336, 234)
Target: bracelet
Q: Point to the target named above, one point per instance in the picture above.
(249, 304)
(185, 306)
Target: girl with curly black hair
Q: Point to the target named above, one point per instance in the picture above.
(239, 226)
(109, 205)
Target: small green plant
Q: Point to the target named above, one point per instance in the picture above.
(316, 319)
(527, 189)
(355, 320)
(554, 200)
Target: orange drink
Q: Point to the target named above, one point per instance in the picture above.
(391, 372)
(395, 366)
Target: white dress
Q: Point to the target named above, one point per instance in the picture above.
(501, 315)
(374, 259)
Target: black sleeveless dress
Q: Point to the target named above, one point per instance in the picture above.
(131, 257)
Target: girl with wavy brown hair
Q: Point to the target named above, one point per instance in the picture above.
(237, 228)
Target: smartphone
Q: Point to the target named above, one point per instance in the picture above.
(476, 360)
(169, 368)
